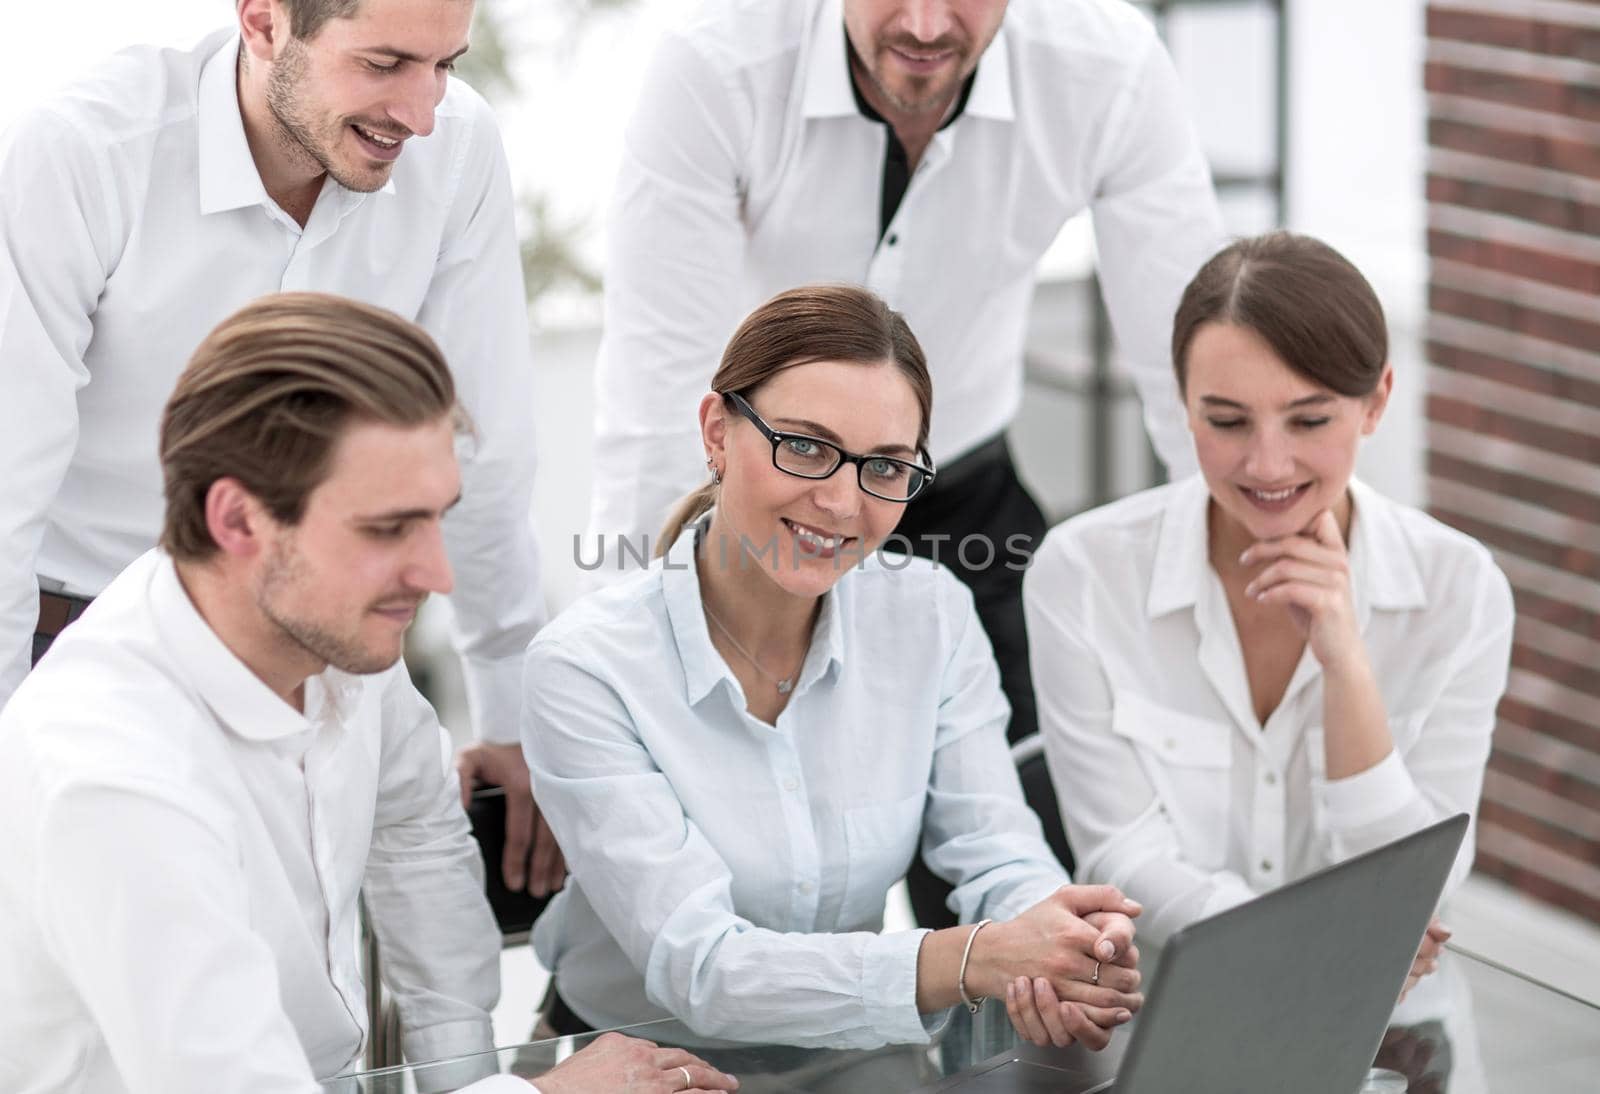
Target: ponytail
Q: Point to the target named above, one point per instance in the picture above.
(691, 508)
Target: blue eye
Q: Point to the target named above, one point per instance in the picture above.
(801, 447)
(886, 469)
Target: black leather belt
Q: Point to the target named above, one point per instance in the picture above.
(56, 610)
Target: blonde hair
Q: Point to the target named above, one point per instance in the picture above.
(267, 395)
(797, 327)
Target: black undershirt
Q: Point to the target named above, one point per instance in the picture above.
(896, 164)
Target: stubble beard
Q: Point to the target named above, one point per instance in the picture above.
(295, 134)
(285, 572)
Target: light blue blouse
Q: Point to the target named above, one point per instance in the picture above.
(733, 873)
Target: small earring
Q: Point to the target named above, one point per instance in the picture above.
(716, 472)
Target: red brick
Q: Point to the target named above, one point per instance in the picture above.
(1558, 613)
(1514, 32)
(1487, 30)
(1546, 889)
(1558, 556)
(1569, 214)
(1519, 374)
(1551, 95)
(1584, 678)
(1508, 314)
(1495, 423)
(1531, 149)
(1554, 837)
(1578, 504)
(1584, 735)
(1530, 262)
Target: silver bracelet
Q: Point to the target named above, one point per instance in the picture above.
(973, 1005)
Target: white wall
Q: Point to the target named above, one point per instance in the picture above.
(1356, 170)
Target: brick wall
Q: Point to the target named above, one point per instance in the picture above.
(1513, 399)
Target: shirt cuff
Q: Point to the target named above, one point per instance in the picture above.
(889, 979)
(1368, 796)
(445, 1043)
(494, 697)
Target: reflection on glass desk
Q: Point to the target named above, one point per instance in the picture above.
(1471, 1027)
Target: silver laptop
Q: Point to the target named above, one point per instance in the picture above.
(1292, 991)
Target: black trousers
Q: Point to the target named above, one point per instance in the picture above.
(980, 521)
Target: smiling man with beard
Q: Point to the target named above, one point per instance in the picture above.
(225, 751)
(314, 145)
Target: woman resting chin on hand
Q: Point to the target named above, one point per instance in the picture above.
(1267, 668)
(740, 749)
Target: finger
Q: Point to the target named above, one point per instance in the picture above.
(1307, 550)
(702, 1076)
(1079, 969)
(1116, 936)
(1083, 899)
(545, 877)
(1088, 1034)
(1439, 931)
(1325, 530)
(1098, 995)
(1107, 1018)
(1049, 1008)
(519, 834)
(1288, 570)
(1024, 1015)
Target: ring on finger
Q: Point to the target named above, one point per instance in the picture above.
(1095, 979)
(688, 1080)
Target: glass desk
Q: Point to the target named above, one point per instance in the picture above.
(1471, 1027)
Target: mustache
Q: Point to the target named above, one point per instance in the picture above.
(382, 129)
(908, 44)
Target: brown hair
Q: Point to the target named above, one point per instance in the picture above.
(798, 327)
(1313, 307)
(267, 395)
(306, 17)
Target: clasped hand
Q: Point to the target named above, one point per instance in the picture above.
(1309, 573)
(1045, 963)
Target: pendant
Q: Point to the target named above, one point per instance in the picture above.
(785, 686)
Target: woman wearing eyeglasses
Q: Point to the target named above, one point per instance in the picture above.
(1267, 668)
(740, 749)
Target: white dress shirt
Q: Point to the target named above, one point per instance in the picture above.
(748, 169)
(133, 220)
(183, 854)
(732, 873)
(1169, 786)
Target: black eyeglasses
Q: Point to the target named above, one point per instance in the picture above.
(813, 458)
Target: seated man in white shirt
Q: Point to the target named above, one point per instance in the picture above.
(931, 152)
(210, 765)
(312, 145)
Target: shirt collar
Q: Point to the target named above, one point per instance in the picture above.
(1383, 569)
(237, 697)
(703, 666)
(228, 175)
(829, 92)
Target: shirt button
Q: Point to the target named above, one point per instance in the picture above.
(1271, 779)
(806, 886)
(791, 784)
(893, 239)
(1171, 744)
(1266, 866)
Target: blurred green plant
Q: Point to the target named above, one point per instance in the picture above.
(552, 257)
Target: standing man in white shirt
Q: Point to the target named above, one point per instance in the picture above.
(930, 150)
(225, 750)
(318, 144)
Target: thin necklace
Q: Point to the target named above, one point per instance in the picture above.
(784, 686)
